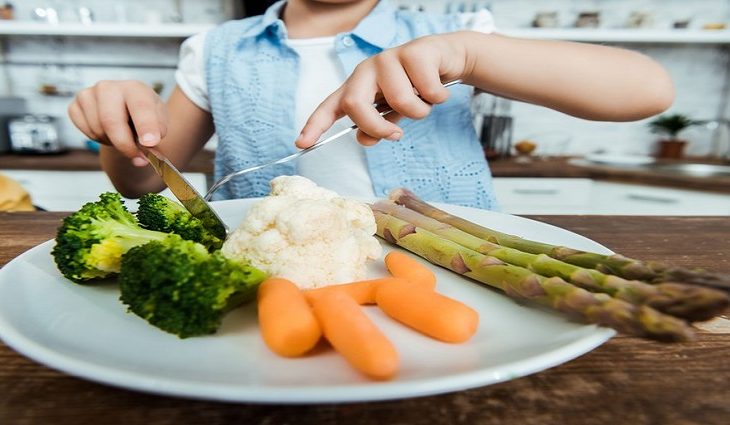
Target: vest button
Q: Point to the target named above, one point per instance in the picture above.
(386, 191)
(347, 41)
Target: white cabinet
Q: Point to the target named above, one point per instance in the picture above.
(69, 190)
(543, 195)
(629, 199)
(585, 196)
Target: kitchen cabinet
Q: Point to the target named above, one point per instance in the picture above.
(629, 199)
(587, 196)
(69, 190)
(543, 195)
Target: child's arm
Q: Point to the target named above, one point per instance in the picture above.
(104, 112)
(584, 80)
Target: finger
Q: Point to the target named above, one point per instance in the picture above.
(320, 121)
(87, 103)
(78, 119)
(366, 140)
(139, 161)
(142, 107)
(424, 75)
(114, 120)
(162, 118)
(397, 89)
(357, 103)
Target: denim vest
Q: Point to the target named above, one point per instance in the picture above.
(252, 78)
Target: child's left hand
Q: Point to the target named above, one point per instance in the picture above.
(409, 78)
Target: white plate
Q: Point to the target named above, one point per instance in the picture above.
(85, 331)
(615, 159)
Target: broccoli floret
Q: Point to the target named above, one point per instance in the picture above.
(156, 212)
(179, 287)
(90, 242)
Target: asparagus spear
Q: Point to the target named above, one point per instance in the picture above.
(616, 264)
(689, 302)
(521, 283)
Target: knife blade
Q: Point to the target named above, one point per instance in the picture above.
(185, 192)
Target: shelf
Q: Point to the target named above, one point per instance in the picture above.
(102, 29)
(623, 35)
(8, 28)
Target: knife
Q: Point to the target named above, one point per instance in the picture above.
(185, 192)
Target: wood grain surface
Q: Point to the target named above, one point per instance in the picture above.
(625, 381)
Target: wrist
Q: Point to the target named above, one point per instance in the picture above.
(475, 46)
(462, 59)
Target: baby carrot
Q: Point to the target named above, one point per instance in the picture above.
(404, 266)
(427, 311)
(363, 291)
(287, 323)
(354, 335)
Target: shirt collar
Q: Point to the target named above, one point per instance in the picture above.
(377, 28)
(272, 14)
(271, 19)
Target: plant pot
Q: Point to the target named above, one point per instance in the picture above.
(671, 148)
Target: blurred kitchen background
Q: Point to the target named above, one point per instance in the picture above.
(544, 162)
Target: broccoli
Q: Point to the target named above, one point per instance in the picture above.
(156, 212)
(90, 242)
(181, 288)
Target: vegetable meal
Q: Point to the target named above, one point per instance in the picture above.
(301, 254)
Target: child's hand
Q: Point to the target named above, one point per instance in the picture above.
(392, 75)
(106, 112)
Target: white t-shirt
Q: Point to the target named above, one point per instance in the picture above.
(340, 166)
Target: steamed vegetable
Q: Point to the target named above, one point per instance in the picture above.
(355, 336)
(521, 283)
(287, 323)
(307, 234)
(403, 266)
(689, 302)
(90, 242)
(157, 212)
(363, 291)
(179, 287)
(614, 264)
(428, 312)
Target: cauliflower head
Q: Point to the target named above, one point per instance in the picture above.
(307, 234)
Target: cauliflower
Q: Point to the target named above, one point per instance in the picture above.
(307, 234)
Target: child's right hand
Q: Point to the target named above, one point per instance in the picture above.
(117, 113)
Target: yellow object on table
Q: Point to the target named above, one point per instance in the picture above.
(13, 197)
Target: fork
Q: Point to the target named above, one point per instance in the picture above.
(225, 179)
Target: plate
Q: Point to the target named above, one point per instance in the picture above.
(86, 332)
(615, 159)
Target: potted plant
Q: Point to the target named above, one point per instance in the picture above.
(670, 126)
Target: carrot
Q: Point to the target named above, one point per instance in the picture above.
(363, 291)
(406, 267)
(428, 312)
(354, 335)
(287, 323)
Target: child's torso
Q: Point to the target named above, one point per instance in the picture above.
(252, 77)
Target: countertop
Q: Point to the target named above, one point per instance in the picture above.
(561, 167)
(627, 380)
(85, 160)
(565, 167)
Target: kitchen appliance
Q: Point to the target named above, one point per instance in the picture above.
(9, 107)
(496, 126)
(33, 134)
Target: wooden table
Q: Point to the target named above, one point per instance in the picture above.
(625, 381)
